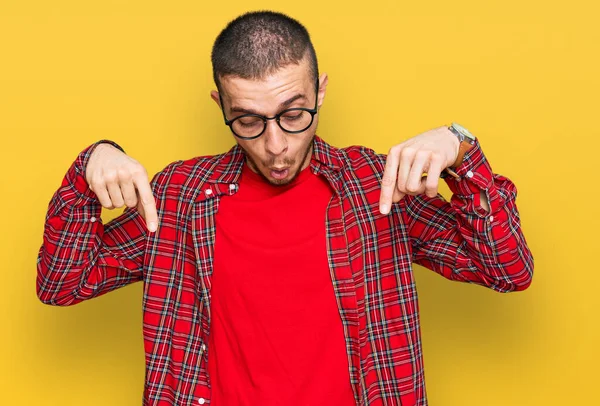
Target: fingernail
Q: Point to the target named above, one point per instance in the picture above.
(152, 226)
(384, 209)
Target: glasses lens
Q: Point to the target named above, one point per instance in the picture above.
(248, 126)
(295, 120)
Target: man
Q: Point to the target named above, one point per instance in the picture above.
(279, 273)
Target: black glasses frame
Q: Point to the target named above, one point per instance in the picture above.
(276, 117)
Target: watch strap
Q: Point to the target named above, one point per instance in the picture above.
(465, 144)
(462, 150)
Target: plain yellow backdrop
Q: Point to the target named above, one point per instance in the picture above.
(521, 75)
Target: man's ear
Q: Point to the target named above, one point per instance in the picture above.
(215, 96)
(323, 79)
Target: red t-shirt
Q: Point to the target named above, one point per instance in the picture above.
(276, 336)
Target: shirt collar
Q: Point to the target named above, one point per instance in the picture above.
(327, 155)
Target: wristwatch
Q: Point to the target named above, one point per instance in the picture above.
(466, 141)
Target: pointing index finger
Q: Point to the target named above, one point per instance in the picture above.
(388, 182)
(148, 202)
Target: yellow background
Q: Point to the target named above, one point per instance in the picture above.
(521, 75)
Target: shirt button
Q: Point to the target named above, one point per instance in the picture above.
(203, 347)
(232, 186)
(201, 401)
(208, 192)
(491, 218)
(469, 174)
(92, 219)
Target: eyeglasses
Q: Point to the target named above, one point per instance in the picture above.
(250, 126)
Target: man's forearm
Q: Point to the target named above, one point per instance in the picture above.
(75, 242)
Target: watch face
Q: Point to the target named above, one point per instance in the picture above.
(463, 131)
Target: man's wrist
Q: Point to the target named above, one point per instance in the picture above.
(449, 170)
(83, 158)
(456, 143)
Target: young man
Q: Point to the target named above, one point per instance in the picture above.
(279, 272)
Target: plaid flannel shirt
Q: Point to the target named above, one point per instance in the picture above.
(370, 257)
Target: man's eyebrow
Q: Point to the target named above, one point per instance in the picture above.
(236, 109)
(291, 100)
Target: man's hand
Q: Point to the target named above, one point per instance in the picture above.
(118, 180)
(431, 152)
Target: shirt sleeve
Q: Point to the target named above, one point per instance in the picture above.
(460, 240)
(80, 257)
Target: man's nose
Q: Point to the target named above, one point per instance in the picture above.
(275, 139)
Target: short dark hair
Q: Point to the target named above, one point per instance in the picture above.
(259, 43)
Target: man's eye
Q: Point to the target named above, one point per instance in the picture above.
(291, 116)
(249, 121)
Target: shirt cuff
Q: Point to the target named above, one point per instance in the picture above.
(77, 173)
(475, 174)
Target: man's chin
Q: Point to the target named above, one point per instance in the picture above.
(279, 182)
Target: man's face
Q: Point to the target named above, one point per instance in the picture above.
(276, 155)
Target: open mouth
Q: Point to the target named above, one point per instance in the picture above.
(279, 174)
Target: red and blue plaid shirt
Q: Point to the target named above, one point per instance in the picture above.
(370, 259)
